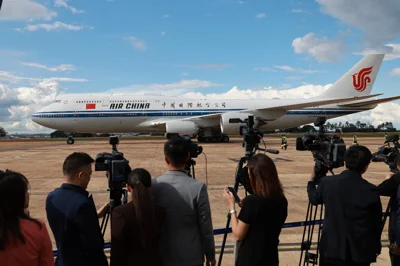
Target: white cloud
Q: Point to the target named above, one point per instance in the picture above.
(64, 4)
(166, 16)
(57, 25)
(137, 43)
(11, 78)
(25, 10)
(395, 72)
(292, 69)
(322, 49)
(261, 15)
(391, 51)
(171, 89)
(26, 101)
(264, 93)
(378, 21)
(163, 33)
(62, 67)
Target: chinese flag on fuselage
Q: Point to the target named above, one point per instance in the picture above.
(90, 106)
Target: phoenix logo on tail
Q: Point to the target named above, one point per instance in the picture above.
(361, 79)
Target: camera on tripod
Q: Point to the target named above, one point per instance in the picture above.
(117, 168)
(117, 171)
(388, 154)
(328, 151)
(251, 139)
(194, 151)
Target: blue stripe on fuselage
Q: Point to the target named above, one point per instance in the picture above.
(181, 113)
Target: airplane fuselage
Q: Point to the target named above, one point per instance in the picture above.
(91, 113)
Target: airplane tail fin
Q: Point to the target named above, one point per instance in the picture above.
(358, 81)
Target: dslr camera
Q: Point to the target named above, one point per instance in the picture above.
(388, 154)
(117, 168)
(328, 151)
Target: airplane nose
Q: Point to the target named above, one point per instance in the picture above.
(35, 118)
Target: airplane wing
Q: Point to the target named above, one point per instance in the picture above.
(371, 102)
(308, 103)
(303, 104)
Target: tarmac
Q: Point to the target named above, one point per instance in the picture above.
(41, 162)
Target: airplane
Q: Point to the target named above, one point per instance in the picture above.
(210, 119)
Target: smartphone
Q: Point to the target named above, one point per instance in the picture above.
(234, 194)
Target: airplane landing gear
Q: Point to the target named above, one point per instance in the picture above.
(213, 139)
(70, 139)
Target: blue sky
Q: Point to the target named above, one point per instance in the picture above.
(211, 45)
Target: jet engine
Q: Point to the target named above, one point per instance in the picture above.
(183, 128)
(228, 128)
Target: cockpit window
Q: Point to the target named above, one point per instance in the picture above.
(57, 101)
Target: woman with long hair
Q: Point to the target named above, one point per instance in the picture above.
(136, 226)
(262, 214)
(24, 241)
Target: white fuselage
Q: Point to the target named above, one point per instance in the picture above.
(94, 113)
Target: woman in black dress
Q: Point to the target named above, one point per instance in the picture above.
(262, 215)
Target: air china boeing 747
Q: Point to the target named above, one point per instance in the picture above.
(208, 119)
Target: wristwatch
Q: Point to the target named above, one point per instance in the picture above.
(232, 211)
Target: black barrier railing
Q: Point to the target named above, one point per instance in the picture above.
(221, 231)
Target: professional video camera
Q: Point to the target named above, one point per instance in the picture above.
(328, 151)
(251, 139)
(117, 170)
(388, 154)
(194, 150)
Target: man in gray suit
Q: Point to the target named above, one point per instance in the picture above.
(188, 231)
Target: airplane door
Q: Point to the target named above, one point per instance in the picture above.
(105, 101)
(75, 116)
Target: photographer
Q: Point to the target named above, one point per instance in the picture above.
(389, 188)
(188, 232)
(262, 216)
(73, 218)
(351, 231)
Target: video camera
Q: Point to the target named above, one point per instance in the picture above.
(328, 151)
(117, 168)
(388, 154)
(252, 138)
(194, 149)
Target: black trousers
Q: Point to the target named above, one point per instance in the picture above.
(337, 262)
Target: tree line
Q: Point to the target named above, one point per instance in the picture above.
(347, 127)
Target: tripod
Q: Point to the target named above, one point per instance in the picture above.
(310, 222)
(189, 165)
(111, 205)
(235, 187)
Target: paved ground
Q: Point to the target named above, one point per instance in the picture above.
(41, 162)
